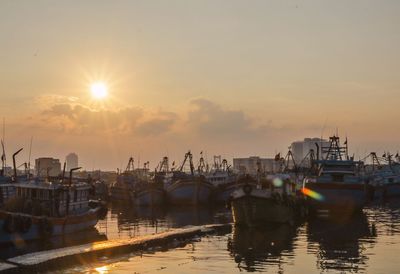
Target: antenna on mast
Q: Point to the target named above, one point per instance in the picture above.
(29, 158)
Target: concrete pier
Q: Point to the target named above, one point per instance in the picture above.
(81, 254)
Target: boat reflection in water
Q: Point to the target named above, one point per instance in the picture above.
(341, 245)
(130, 221)
(254, 248)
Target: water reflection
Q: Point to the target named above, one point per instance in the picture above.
(125, 221)
(254, 248)
(341, 244)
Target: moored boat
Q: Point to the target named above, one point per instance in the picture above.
(45, 209)
(148, 194)
(384, 177)
(273, 201)
(189, 189)
(121, 189)
(223, 180)
(338, 186)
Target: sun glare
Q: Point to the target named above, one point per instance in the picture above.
(99, 90)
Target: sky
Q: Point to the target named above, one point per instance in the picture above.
(230, 78)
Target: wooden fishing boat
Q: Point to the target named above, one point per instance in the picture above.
(45, 209)
(273, 201)
(189, 189)
(148, 194)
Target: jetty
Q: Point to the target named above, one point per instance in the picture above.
(65, 257)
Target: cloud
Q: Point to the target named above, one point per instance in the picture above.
(210, 119)
(160, 123)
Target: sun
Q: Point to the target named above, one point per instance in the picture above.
(99, 90)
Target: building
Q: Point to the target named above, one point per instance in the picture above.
(72, 161)
(301, 149)
(251, 165)
(47, 166)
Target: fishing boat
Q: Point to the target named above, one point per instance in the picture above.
(223, 180)
(271, 201)
(384, 177)
(42, 209)
(121, 189)
(338, 186)
(189, 189)
(7, 183)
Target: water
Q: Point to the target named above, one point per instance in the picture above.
(368, 243)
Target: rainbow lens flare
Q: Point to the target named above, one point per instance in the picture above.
(311, 193)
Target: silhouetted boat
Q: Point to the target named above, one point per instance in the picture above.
(150, 194)
(121, 189)
(189, 189)
(338, 187)
(384, 177)
(271, 201)
(223, 180)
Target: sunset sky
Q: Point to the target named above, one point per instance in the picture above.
(235, 78)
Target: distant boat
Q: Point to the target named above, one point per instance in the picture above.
(223, 180)
(270, 201)
(149, 192)
(338, 186)
(189, 189)
(121, 189)
(384, 177)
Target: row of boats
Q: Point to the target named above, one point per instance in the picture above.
(333, 184)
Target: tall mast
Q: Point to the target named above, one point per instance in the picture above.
(29, 158)
(3, 156)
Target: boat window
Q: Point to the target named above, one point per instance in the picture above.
(33, 193)
(338, 177)
(75, 195)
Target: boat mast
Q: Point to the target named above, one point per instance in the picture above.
(3, 156)
(15, 165)
(29, 158)
(69, 188)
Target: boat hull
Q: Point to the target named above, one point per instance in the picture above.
(149, 197)
(36, 227)
(224, 192)
(336, 197)
(189, 192)
(120, 194)
(250, 210)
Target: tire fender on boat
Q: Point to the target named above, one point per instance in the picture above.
(45, 227)
(247, 189)
(9, 224)
(26, 223)
(276, 197)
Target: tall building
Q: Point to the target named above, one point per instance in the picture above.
(301, 149)
(72, 161)
(47, 166)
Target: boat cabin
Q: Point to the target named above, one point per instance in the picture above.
(54, 198)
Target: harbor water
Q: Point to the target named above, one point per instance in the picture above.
(366, 243)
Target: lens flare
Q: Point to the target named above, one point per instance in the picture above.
(311, 193)
(277, 182)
